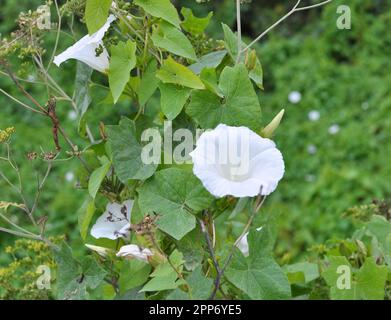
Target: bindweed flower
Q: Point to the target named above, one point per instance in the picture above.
(314, 115)
(132, 251)
(69, 176)
(294, 97)
(72, 115)
(312, 149)
(238, 162)
(85, 50)
(334, 129)
(243, 243)
(114, 223)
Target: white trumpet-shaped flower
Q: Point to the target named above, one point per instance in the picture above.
(243, 244)
(102, 251)
(84, 50)
(132, 251)
(114, 223)
(238, 162)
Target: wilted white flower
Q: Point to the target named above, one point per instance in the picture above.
(334, 129)
(114, 223)
(85, 49)
(238, 162)
(312, 149)
(133, 251)
(99, 250)
(243, 243)
(294, 97)
(314, 115)
(72, 115)
(69, 176)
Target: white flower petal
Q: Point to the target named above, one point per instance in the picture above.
(243, 244)
(134, 251)
(236, 161)
(100, 250)
(114, 223)
(294, 97)
(85, 50)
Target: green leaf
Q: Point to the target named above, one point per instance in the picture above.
(73, 278)
(255, 68)
(82, 95)
(165, 277)
(256, 74)
(193, 24)
(126, 151)
(149, 83)
(85, 215)
(200, 286)
(230, 41)
(192, 247)
(176, 73)
(209, 78)
(97, 177)
(123, 60)
(380, 228)
(173, 98)
(174, 194)
(167, 37)
(258, 275)
(302, 272)
(133, 273)
(240, 106)
(161, 9)
(93, 273)
(366, 284)
(210, 60)
(96, 14)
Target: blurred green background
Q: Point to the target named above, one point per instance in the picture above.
(336, 140)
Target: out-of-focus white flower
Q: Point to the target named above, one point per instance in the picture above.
(334, 129)
(85, 49)
(365, 105)
(243, 243)
(294, 97)
(238, 162)
(99, 250)
(312, 149)
(310, 178)
(114, 223)
(72, 115)
(132, 251)
(69, 176)
(314, 115)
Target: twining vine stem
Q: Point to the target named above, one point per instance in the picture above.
(296, 8)
(220, 270)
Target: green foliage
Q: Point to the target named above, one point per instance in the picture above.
(127, 152)
(160, 9)
(239, 107)
(368, 283)
(96, 14)
(18, 279)
(175, 73)
(258, 275)
(169, 38)
(123, 60)
(346, 84)
(74, 277)
(176, 196)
